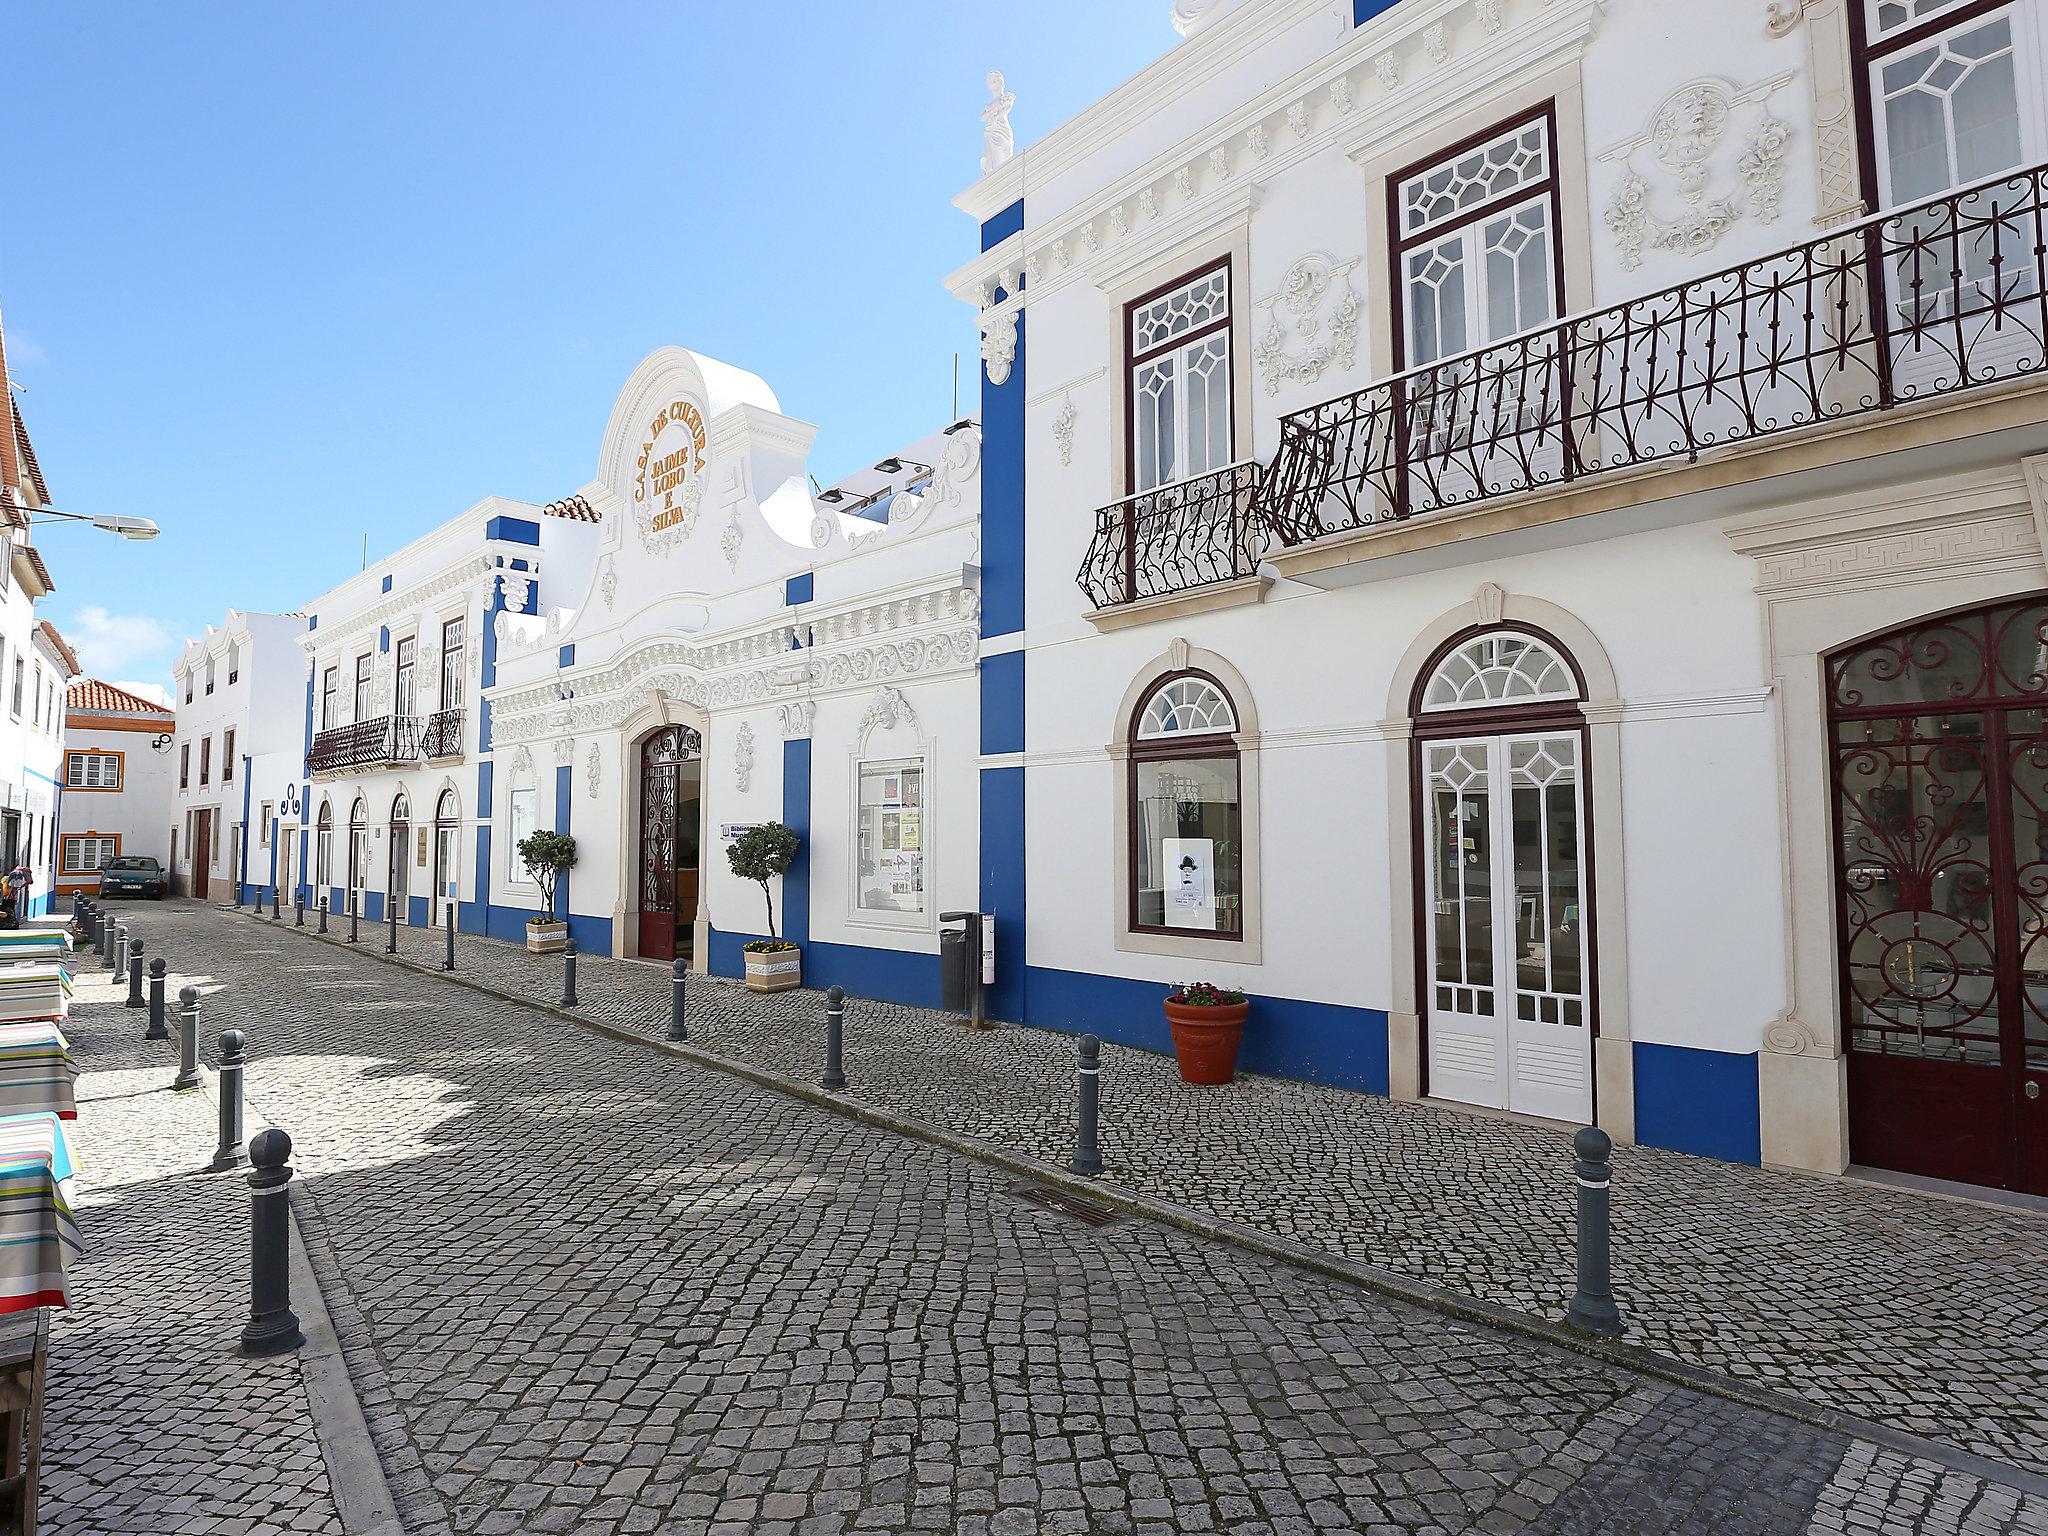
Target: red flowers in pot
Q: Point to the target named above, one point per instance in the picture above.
(1208, 1026)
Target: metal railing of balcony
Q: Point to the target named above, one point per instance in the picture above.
(379, 743)
(441, 736)
(1912, 304)
(1173, 538)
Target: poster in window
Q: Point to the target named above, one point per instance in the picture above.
(892, 789)
(1190, 881)
(911, 831)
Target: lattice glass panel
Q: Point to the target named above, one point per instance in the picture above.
(1951, 112)
(1187, 308)
(1518, 289)
(1888, 16)
(1186, 706)
(1499, 669)
(1519, 158)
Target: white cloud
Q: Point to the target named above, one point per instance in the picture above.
(110, 643)
(24, 348)
(156, 693)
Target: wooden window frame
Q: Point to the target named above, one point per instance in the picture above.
(66, 840)
(1132, 358)
(75, 754)
(227, 756)
(1206, 746)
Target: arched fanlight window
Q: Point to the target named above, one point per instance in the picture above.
(1187, 839)
(448, 808)
(358, 843)
(1499, 669)
(1188, 705)
(401, 807)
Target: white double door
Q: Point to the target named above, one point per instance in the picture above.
(1505, 922)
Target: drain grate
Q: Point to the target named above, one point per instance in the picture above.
(1086, 1212)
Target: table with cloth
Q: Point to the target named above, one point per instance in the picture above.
(39, 1238)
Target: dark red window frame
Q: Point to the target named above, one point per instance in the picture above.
(1204, 745)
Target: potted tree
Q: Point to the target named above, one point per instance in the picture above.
(760, 854)
(546, 855)
(1208, 1026)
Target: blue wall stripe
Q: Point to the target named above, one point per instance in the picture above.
(1704, 1102)
(796, 814)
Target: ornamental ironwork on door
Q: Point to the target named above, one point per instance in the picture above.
(1940, 749)
(661, 807)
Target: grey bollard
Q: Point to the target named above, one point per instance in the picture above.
(568, 973)
(93, 919)
(449, 963)
(1087, 1157)
(109, 930)
(677, 1029)
(158, 1030)
(135, 998)
(834, 1075)
(1592, 1309)
(188, 1038)
(391, 911)
(276, 896)
(229, 1153)
(273, 1328)
(117, 952)
(298, 909)
(77, 906)
(355, 917)
(323, 914)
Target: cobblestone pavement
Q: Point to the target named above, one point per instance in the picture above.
(605, 1290)
(1926, 1314)
(153, 1422)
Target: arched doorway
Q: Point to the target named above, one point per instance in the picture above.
(1504, 883)
(358, 850)
(447, 832)
(671, 780)
(399, 885)
(1939, 738)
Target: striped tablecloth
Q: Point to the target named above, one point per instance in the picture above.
(36, 1071)
(38, 1235)
(36, 989)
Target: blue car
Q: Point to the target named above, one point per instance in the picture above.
(132, 875)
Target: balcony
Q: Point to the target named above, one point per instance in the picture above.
(1900, 319)
(1194, 535)
(441, 736)
(392, 741)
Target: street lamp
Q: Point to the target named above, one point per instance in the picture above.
(107, 522)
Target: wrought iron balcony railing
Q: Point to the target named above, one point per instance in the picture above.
(1910, 305)
(1173, 538)
(442, 736)
(387, 742)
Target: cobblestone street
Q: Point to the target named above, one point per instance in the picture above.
(1926, 1314)
(588, 1287)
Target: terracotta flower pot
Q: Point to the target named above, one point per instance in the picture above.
(1205, 1040)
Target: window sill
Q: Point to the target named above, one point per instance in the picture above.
(888, 922)
(1174, 605)
(1190, 946)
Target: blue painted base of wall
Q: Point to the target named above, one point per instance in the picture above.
(43, 905)
(593, 935)
(417, 912)
(883, 975)
(1284, 1037)
(1703, 1102)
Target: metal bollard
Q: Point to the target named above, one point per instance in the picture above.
(135, 999)
(1087, 1157)
(677, 1030)
(117, 952)
(391, 911)
(158, 969)
(323, 914)
(238, 895)
(568, 973)
(298, 909)
(188, 1038)
(449, 963)
(834, 1075)
(1592, 1309)
(92, 925)
(229, 1153)
(355, 917)
(77, 906)
(108, 931)
(273, 1328)
(276, 896)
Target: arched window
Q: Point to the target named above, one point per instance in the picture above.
(358, 843)
(398, 881)
(447, 832)
(1500, 669)
(323, 847)
(1186, 819)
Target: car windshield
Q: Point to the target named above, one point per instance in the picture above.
(146, 865)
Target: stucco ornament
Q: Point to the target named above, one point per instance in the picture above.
(1311, 322)
(593, 769)
(1491, 14)
(522, 763)
(1686, 140)
(887, 710)
(999, 346)
(743, 758)
(1191, 16)
(797, 718)
(998, 143)
(959, 462)
(1063, 431)
(731, 539)
(608, 584)
(689, 502)
(565, 751)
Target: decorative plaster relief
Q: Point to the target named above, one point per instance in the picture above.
(1295, 318)
(1490, 15)
(1340, 93)
(999, 339)
(522, 764)
(1063, 431)
(1255, 139)
(743, 758)
(797, 718)
(885, 712)
(1388, 67)
(593, 769)
(998, 143)
(1685, 138)
(1436, 41)
(608, 583)
(565, 751)
(1297, 118)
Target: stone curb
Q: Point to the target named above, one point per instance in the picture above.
(1422, 1293)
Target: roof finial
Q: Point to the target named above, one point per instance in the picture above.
(998, 143)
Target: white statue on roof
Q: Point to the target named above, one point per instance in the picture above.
(998, 143)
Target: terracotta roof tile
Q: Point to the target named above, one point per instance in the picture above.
(29, 466)
(70, 656)
(34, 557)
(574, 508)
(90, 693)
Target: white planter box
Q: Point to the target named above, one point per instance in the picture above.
(546, 938)
(775, 971)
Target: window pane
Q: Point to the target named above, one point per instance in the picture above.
(891, 868)
(1549, 936)
(524, 802)
(1188, 308)
(1477, 176)
(1461, 878)
(1206, 365)
(1436, 301)
(1154, 394)
(1190, 849)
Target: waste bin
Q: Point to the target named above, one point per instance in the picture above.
(953, 969)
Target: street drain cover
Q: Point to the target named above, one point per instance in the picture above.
(1085, 1211)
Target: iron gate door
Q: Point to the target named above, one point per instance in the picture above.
(1940, 747)
(661, 810)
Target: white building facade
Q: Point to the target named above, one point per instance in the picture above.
(118, 773)
(237, 749)
(1517, 524)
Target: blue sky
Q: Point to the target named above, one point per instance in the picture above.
(279, 276)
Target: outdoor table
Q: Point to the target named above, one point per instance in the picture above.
(38, 1234)
(38, 989)
(36, 1070)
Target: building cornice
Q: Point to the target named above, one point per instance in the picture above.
(392, 604)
